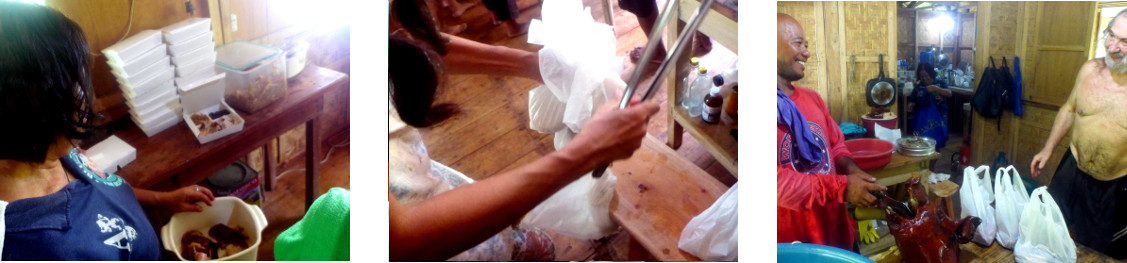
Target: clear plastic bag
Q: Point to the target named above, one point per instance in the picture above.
(1010, 198)
(714, 234)
(976, 195)
(1044, 236)
(545, 111)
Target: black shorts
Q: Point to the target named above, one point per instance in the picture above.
(1090, 207)
(640, 8)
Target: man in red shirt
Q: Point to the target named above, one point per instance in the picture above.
(816, 173)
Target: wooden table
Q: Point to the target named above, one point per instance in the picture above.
(901, 167)
(656, 195)
(971, 252)
(174, 158)
(721, 25)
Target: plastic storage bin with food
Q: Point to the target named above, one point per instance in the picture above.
(256, 74)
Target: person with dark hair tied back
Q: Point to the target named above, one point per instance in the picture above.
(55, 204)
(439, 214)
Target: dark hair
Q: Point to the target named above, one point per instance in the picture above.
(414, 79)
(45, 84)
(926, 67)
(415, 17)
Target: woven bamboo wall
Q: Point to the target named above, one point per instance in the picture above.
(848, 30)
(999, 33)
(867, 34)
(1004, 28)
(804, 12)
(906, 34)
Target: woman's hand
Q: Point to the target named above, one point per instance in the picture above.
(933, 88)
(612, 133)
(185, 198)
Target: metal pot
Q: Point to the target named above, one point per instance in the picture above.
(915, 146)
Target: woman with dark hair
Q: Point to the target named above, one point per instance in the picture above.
(56, 205)
(930, 91)
(437, 213)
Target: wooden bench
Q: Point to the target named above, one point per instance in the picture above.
(657, 193)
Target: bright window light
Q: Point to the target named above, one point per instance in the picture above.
(941, 23)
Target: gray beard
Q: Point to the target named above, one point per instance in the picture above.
(1116, 67)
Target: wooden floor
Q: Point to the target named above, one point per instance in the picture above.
(491, 135)
(285, 204)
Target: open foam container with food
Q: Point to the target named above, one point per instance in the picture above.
(205, 110)
(227, 210)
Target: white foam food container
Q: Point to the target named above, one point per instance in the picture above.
(149, 100)
(128, 49)
(197, 42)
(193, 55)
(132, 89)
(156, 116)
(195, 76)
(156, 109)
(160, 126)
(111, 154)
(146, 73)
(155, 124)
(206, 96)
(185, 29)
(206, 61)
(228, 210)
(146, 59)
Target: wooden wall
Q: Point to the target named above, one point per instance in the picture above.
(104, 23)
(845, 40)
(1053, 40)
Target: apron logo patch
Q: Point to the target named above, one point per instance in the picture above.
(125, 234)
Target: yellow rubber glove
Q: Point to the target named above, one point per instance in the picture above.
(867, 232)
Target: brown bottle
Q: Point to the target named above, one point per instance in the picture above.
(712, 104)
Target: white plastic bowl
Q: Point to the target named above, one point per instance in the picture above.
(226, 210)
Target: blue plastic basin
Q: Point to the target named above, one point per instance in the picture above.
(801, 252)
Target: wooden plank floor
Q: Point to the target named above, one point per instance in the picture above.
(491, 135)
(285, 204)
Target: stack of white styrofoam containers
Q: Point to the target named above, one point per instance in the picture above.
(192, 48)
(145, 75)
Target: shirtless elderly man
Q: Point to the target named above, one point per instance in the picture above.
(1089, 182)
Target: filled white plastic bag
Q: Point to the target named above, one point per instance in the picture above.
(580, 73)
(976, 195)
(1010, 198)
(714, 234)
(1044, 236)
(545, 111)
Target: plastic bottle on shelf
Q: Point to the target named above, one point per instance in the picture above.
(687, 83)
(730, 107)
(697, 91)
(725, 80)
(712, 104)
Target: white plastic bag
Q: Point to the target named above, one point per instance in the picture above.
(1010, 198)
(1044, 236)
(976, 195)
(580, 71)
(714, 234)
(545, 112)
(579, 210)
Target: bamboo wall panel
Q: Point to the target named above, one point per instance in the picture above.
(906, 34)
(805, 14)
(867, 35)
(1032, 133)
(849, 29)
(835, 58)
(1004, 29)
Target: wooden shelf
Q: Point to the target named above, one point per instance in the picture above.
(716, 138)
(720, 24)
